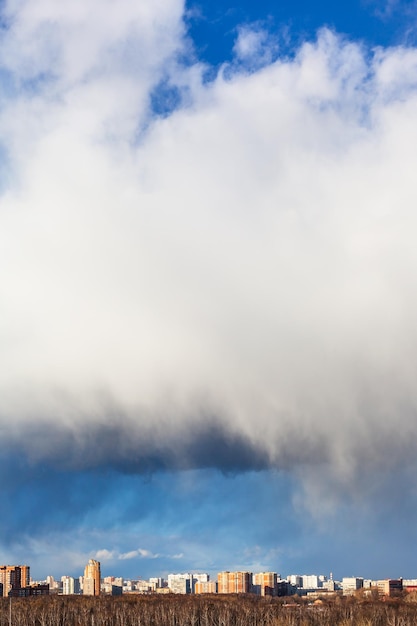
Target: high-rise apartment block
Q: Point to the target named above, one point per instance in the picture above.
(180, 583)
(265, 583)
(311, 581)
(14, 577)
(70, 585)
(209, 586)
(234, 582)
(92, 575)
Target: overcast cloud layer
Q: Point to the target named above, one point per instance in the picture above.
(230, 283)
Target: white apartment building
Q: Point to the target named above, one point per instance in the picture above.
(311, 581)
(180, 583)
(70, 585)
(201, 578)
(185, 583)
(295, 580)
(351, 584)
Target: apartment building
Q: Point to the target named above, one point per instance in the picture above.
(92, 575)
(351, 584)
(180, 583)
(234, 582)
(209, 586)
(70, 585)
(265, 583)
(14, 577)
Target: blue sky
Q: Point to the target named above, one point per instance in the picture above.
(208, 292)
(213, 25)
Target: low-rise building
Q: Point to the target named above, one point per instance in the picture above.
(351, 584)
(390, 586)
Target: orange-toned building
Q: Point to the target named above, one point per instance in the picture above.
(92, 576)
(14, 577)
(234, 582)
(265, 583)
(209, 586)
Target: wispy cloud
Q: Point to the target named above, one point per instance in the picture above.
(255, 45)
(139, 553)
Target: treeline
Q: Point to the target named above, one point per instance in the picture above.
(175, 610)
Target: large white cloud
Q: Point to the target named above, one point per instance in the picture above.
(249, 257)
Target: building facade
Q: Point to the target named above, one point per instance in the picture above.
(14, 577)
(351, 584)
(209, 586)
(70, 585)
(390, 586)
(265, 583)
(92, 576)
(234, 582)
(180, 583)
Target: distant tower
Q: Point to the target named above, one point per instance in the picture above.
(92, 578)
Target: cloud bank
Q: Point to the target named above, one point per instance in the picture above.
(231, 284)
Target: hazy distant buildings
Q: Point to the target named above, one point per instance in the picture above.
(112, 586)
(91, 582)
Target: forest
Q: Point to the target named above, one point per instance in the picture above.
(206, 610)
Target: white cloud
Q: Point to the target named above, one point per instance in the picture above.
(250, 256)
(139, 553)
(105, 555)
(255, 44)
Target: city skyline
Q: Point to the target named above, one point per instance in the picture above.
(16, 581)
(208, 285)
